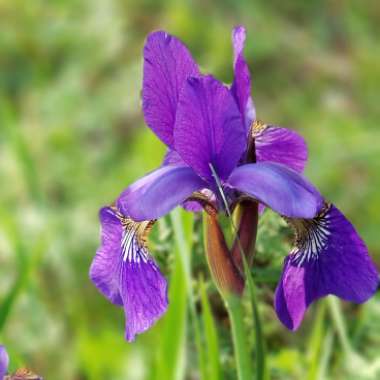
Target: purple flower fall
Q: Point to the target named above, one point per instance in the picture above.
(207, 127)
(125, 273)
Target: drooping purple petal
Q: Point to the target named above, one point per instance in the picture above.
(290, 298)
(107, 259)
(241, 86)
(125, 273)
(4, 361)
(144, 292)
(280, 145)
(167, 64)
(329, 258)
(209, 128)
(282, 189)
(159, 192)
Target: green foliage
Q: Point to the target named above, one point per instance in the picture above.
(72, 137)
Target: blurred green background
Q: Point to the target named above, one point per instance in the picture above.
(73, 137)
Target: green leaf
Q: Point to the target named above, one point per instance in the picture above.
(211, 335)
(183, 223)
(171, 353)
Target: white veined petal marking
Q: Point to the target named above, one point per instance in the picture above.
(311, 236)
(133, 242)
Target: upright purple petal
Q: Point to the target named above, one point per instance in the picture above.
(125, 273)
(167, 64)
(159, 192)
(329, 258)
(241, 86)
(282, 189)
(209, 128)
(4, 361)
(280, 145)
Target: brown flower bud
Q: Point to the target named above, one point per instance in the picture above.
(223, 270)
(246, 214)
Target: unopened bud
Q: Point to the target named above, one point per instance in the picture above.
(224, 272)
(246, 218)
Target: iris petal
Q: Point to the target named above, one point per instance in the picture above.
(107, 260)
(167, 64)
(282, 189)
(280, 145)
(329, 258)
(144, 292)
(125, 273)
(159, 192)
(241, 86)
(209, 128)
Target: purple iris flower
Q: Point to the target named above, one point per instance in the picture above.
(4, 361)
(208, 127)
(329, 256)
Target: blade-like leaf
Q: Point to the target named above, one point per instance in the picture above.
(211, 337)
(171, 354)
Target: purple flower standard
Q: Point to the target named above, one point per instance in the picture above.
(207, 127)
(4, 361)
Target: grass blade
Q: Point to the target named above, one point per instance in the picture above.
(183, 223)
(171, 357)
(211, 336)
(171, 353)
